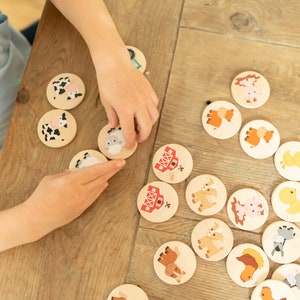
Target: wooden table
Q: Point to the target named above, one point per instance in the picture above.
(194, 49)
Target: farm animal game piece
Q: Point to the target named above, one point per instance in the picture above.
(287, 160)
(250, 89)
(286, 201)
(174, 262)
(65, 91)
(57, 128)
(259, 139)
(86, 158)
(289, 274)
(127, 292)
(137, 57)
(247, 209)
(206, 194)
(281, 242)
(272, 289)
(111, 143)
(172, 163)
(212, 239)
(247, 265)
(157, 201)
(221, 119)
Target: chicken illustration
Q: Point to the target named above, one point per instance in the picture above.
(215, 117)
(266, 294)
(288, 196)
(254, 136)
(289, 160)
(252, 261)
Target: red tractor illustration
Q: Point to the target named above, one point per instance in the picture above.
(168, 161)
(154, 200)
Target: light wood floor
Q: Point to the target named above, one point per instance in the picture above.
(22, 13)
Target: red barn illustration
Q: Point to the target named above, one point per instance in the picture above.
(154, 200)
(168, 161)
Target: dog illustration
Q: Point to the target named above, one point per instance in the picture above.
(215, 117)
(288, 196)
(255, 135)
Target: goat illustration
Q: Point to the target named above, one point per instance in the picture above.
(284, 234)
(293, 280)
(209, 241)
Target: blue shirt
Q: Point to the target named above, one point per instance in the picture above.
(14, 53)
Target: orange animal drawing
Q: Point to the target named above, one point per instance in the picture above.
(255, 135)
(205, 194)
(215, 117)
(266, 294)
(252, 261)
(122, 297)
(210, 240)
(168, 259)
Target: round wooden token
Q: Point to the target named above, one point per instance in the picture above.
(286, 201)
(57, 128)
(281, 242)
(247, 209)
(289, 274)
(212, 239)
(172, 163)
(206, 195)
(287, 160)
(250, 89)
(247, 265)
(86, 158)
(111, 143)
(221, 119)
(272, 290)
(259, 139)
(174, 262)
(127, 292)
(65, 91)
(137, 57)
(157, 201)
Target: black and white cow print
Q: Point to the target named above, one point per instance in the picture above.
(51, 130)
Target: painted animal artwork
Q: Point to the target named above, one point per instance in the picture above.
(252, 261)
(65, 85)
(121, 296)
(289, 160)
(86, 161)
(205, 195)
(266, 294)
(114, 141)
(212, 240)
(254, 136)
(252, 208)
(284, 234)
(252, 93)
(287, 195)
(51, 130)
(293, 280)
(168, 259)
(216, 117)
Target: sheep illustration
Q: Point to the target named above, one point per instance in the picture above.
(284, 234)
(252, 261)
(254, 136)
(86, 161)
(289, 160)
(288, 196)
(251, 93)
(114, 141)
(215, 117)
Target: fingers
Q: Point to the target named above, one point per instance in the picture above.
(112, 116)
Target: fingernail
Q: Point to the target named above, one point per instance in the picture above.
(121, 163)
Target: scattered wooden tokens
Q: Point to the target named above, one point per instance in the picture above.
(259, 139)
(137, 57)
(172, 163)
(174, 262)
(65, 91)
(247, 265)
(247, 209)
(206, 195)
(287, 160)
(221, 119)
(127, 292)
(57, 128)
(111, 143)
(86, 158)
(157, 201)
(286, 201)
(212, 239)
(281, 242)
(250, 89)
(272, 290)
(289, 274)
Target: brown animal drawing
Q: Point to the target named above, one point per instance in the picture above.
(204, 195)
(289, 160)
(168, 259)
(255, 135)
(211, 239)
(215, 117)
(252, 261)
